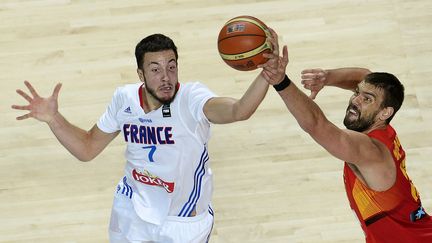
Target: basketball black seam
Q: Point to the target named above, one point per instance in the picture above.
(240, 35)
(244, 51)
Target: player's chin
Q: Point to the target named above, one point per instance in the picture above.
(166, 97)
(350, 119)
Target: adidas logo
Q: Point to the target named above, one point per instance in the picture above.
(128, 110)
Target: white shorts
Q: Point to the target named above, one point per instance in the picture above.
(127, 226)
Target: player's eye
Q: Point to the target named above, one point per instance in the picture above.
(367, 99)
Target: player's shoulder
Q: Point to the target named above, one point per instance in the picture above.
(193, 86)
(127, 89)
(190, 84)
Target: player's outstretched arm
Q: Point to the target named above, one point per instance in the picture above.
(84, 145)
(222, 110)
(345, 78)
(354, 147)
(226, 110)
(40, 108)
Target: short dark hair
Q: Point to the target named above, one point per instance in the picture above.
(392, 87)
(153, 43)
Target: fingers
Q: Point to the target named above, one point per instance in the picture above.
(31, 89)
(285, 58)
(269, 70)
(313, 94)
(24, 95)
(274, 69)
(314, 88)
(269, 55)
(309, 78)
(274, 41)
(312, 70)
(271, 64)
(56, 90)
(24, 116)
(312, 80)
(20, 107)
(311, 86)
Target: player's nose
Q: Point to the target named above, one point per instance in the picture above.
(165, 76)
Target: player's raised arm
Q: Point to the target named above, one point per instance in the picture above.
(84, 145)
(221, 110)
(346, 145)
(226, 110)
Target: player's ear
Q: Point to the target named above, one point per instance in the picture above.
(140, 74)
(386, 113)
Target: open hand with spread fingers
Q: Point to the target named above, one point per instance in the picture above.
(40, 108)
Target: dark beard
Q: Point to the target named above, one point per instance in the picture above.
(361, 124)
(162, 101)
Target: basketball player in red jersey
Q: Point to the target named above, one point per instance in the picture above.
(380, 192)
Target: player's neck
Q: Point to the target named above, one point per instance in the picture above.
(375, 126)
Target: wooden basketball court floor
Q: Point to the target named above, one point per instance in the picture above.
(272, 182)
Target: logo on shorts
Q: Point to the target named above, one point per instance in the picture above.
(152, 180)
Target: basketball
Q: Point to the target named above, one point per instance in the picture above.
(242, 41)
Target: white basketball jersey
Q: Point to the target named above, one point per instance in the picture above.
(168, 169)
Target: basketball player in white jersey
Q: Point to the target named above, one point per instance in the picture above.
(165, 194)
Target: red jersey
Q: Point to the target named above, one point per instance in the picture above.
(395, 215)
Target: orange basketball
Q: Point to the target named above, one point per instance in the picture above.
(242, 41)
